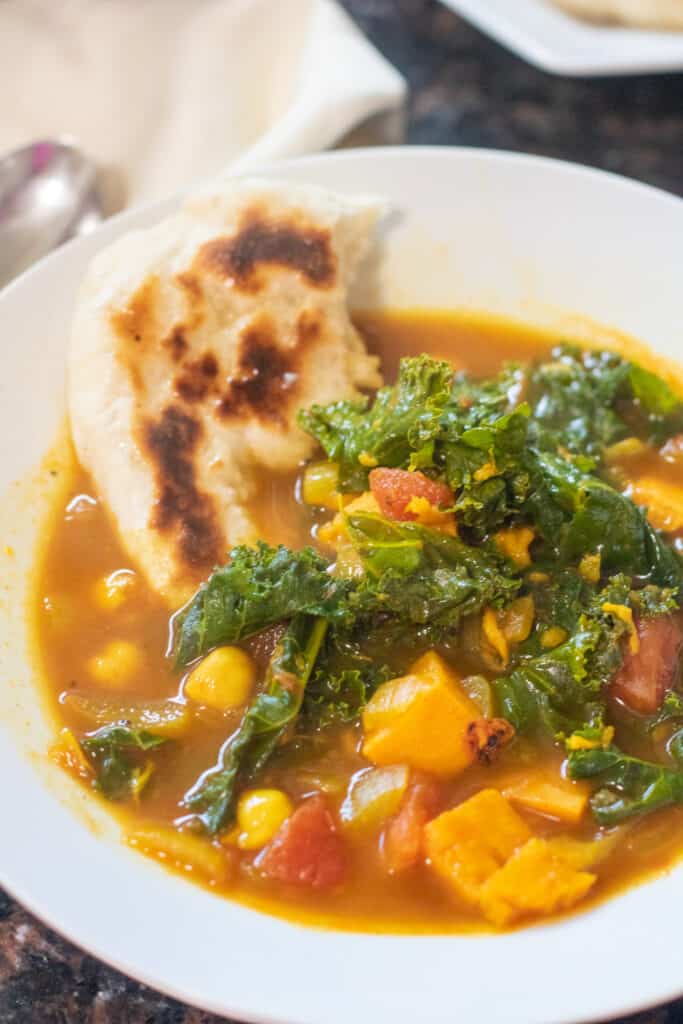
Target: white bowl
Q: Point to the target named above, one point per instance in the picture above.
(517, 235)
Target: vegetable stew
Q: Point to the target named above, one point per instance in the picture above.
(442, 692)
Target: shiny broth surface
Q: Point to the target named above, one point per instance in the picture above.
(74, 626)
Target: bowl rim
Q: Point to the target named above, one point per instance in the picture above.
(21, 890)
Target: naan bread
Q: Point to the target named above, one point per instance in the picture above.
(194, 344)
(657, 14)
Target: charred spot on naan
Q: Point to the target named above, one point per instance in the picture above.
(197, 378)
(180, 507)
(265, 378)
(176, 342)
(138, 320)
(262, 241)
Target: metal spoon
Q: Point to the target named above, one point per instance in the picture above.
(47, 195)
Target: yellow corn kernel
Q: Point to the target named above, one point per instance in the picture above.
(629, 448)
(553, 637)
(623, 612)
(260, 813)
(485, 472)
(538, 577)
(116, 664)
(514, 543)
(583, 743)
(222, 680)
(517, 620)
(368, 460)
(495, 636)
(590, 568)
(320, 483)
(112, 591)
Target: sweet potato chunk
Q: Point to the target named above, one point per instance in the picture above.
(307, 849)
(394, 489)
(664, 502)
(533, 881)
(403, 839)
(646, 674)
(546, 794)
(468, 844)
(421, 719)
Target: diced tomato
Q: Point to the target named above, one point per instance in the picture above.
(648, 673)
(307, 849)
(393, 489)
(401, 843)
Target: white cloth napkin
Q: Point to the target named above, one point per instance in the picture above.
(163, 93)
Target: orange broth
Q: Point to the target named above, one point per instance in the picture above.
(82, 549)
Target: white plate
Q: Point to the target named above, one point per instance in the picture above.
(554, 41)
(517, 235)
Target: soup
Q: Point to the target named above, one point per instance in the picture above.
(449, 700)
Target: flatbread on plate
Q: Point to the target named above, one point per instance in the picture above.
(656, 14)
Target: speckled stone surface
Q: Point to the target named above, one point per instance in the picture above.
(465, 90)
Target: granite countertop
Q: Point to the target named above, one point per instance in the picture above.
(465, 90)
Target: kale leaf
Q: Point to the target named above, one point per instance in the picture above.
(335, 698)
(486, 464)
(109, 750)
(628, 785)
(396, 430)
(671, 709)
(269, 717)
(657, 408)
(423, 576)
(258, 587)
(560, 690)
(575, 513)
(572, 397)
(556, 691)
(584, 401)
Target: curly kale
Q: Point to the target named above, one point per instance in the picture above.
(525, 447)
(257, 588)
(628, 786)
(397, 430)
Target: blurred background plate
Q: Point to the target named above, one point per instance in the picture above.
(556, 42)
